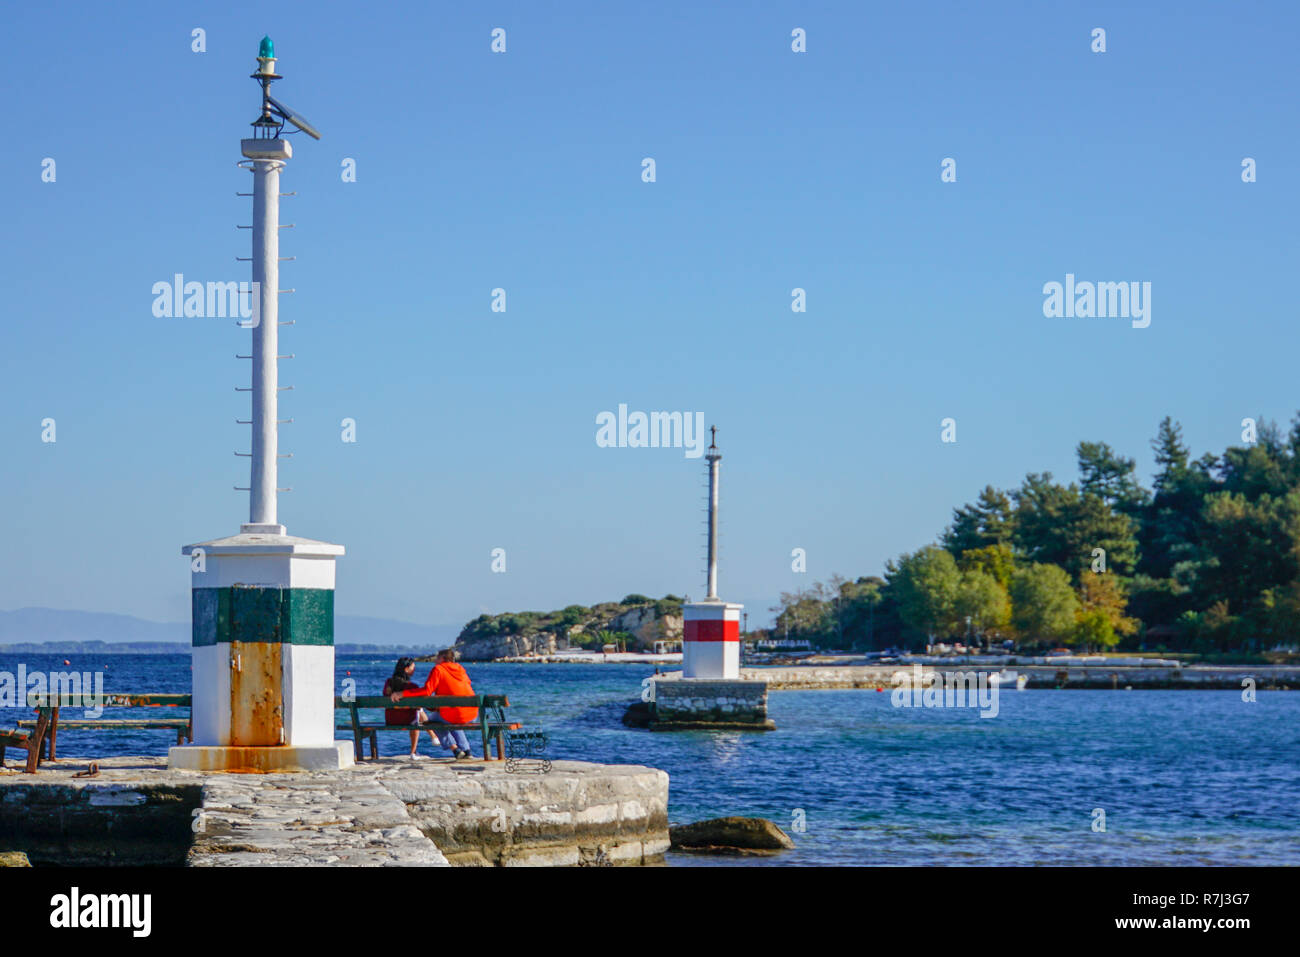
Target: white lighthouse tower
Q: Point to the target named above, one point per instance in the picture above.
(711, 628)
(263, 600)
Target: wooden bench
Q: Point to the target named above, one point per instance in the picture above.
(492, 722)
(45, 733)
(17, 739)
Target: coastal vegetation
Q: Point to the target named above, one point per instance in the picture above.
(1205, 561)
(579, 625)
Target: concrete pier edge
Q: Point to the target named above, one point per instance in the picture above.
(390, 812)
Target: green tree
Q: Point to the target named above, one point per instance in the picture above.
(983, 600)
(1102, 617)
(854, 609)
(1171, 455)
(1275, 618)
(566, 619)
(987, 522)
(805, 614)
(1171, 526)
(1111, 478)
(1247, 547)
(1093, 630)
(998, 561)
(1060, 525)
(925, 585)
(1043, 604)
(1263, 468)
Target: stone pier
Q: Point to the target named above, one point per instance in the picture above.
(1072, 676)
(704, 704)
(390, 812)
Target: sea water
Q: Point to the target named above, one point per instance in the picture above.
(1179, 777)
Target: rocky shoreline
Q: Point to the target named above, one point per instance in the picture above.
(637, 622)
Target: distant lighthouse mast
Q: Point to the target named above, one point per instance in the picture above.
(713, 458)
(711, 628)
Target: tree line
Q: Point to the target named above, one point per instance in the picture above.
(1207, 560)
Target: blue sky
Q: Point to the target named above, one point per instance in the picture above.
(522, 170)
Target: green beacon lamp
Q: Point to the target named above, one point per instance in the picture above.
(266, 58)
(274, 114)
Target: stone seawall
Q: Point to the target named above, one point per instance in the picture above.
(682, 704)
(393, 811)
(60, 820)
(575, 814)
(1039, 676)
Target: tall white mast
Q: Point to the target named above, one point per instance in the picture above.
(268, 153)
(265, 371)
(713, 457)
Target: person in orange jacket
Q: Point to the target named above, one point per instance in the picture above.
(448, 678)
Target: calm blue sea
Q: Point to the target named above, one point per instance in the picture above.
(1184, 777)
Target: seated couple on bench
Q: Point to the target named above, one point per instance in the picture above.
(447, 678)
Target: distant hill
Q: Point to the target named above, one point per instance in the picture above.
(94, 648)
(32, 630)
(41, 625)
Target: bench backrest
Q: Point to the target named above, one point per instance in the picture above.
(437, 701)
(109, 700)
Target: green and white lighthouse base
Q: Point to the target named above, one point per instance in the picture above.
(263, 655)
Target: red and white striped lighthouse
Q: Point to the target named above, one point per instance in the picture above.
(711, 628)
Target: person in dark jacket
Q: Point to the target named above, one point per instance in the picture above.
(398, 682)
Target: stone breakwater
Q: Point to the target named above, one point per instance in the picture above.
(685, 704)
(390, 812)
(1270, 678)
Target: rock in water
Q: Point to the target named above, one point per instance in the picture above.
(639, 714)
(730, 835)
(14, 859)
